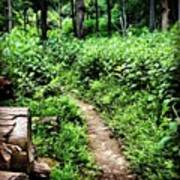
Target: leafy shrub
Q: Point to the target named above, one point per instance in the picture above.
(140, 66)
(102, 24)
(26, 62)
(67, 26)
(52, 106)
(89, 25)
(30, 64)
(63, 49)
(130, 79)
(64, 140)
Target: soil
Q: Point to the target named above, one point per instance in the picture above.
(106, 149)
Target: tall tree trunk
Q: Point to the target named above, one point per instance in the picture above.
(97, 15)
(152, 19)
(25, 16)
(165, 14)
(38, 23)
(79, 13)
(109, 17)
(9, 4)
(123, 18)
(44, 27)
(73, 16)
(179, 11)
(59, 11)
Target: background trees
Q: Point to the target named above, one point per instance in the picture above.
(79, 17)
(91, 15)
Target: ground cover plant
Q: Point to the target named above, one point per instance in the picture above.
(63, 142)
(129, 79)
(121, 56)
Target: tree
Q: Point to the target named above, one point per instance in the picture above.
(109, 17)
(44, 11)
(152, 22)
(9, 10)
(79, 17)
(123, 18)
(179, 10)
(165, 14)
(97, 15)
(73, 16)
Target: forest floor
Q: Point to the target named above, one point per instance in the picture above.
(106, 149)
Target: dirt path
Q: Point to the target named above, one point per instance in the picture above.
(106, 149)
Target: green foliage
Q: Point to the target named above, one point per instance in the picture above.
(129, 79)
(26, 61)
(64, 140)
(64, 49)
(67, 26)
(132, 80)
(139, 66)
(30, 63)
(32, 68)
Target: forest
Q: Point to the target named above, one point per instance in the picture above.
(97, 85)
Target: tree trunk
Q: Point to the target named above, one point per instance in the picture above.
(38, 23)
(59, 12)
(109, 17)
(79, 17)
(73, 16)
(123, 18)
(25, 15)
(9, 4)
(179, 11)
(44, 27)
(97, 15)
(165, 14)
(152, 22)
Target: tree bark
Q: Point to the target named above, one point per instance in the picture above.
(179, 11)
(15, 140)
(16, 150)
(97, 15)
(152, 22)
(9, 4)
(123, 18)
(109, 17)
(37, 23)
(165, 14)
(40, 170)
(73, 16)
(44, 27)
(25, 15)
(79, 17)
(59, 12)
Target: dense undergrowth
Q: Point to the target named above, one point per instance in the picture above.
(131, 80)
(64, 140)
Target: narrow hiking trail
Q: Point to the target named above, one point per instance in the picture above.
(107, 150)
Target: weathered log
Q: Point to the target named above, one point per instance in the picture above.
(41, 170)
(15, 140)
(17, 152)
(4, 175)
